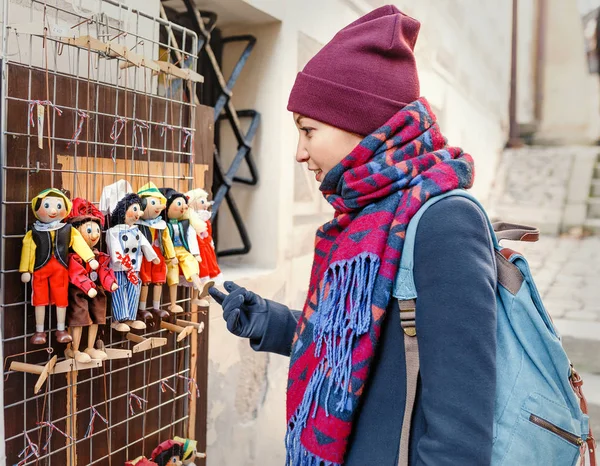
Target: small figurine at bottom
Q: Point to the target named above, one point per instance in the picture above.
(168, 453)
(189, 452)
(87, 297)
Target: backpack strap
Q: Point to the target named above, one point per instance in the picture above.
(406, 293)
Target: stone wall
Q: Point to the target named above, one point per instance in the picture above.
(544, 186)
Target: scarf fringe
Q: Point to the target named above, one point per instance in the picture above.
(343, 315)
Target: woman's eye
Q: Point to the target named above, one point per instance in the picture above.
(306, 130)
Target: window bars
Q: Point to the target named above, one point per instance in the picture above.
(203, 23)
(109, 112)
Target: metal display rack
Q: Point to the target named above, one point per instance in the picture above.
(116, 112)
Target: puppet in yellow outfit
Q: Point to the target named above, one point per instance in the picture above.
(154, 228)
(185, 243)
(44, 258)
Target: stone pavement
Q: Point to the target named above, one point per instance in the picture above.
(567, 273)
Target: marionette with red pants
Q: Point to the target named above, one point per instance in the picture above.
(44, 259)
(154, 228)
(87, 296)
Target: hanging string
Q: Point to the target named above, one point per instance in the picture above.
(188, 135)
(164, 126)
(75, 138)
(30, 450)
(90, 430)
(190, 381)
(140, 126)
(138, 399)
(53, 428)
(115, 133)
(33, 103)
(164, 385)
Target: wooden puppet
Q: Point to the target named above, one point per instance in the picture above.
(126, 245)
(154, 228)
(188, 451)
(87, 297)
(185, 244)
(200, 218)
(168, 453)
(44, 260)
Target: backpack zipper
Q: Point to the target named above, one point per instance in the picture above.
(568, 436)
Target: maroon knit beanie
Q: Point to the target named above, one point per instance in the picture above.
(363, 76)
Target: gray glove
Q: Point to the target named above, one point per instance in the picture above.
(244, 311)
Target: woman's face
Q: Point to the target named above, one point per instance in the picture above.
(322, 146)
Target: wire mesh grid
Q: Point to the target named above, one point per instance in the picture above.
(103, 121)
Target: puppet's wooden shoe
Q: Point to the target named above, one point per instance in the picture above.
(204, 291)
(161, 313)
(120, 327)
(38, 338)
(201, 302)
(78, 356)
(136, 324)
(144, 315)
(62, 336)
(96, 353)
(175, 309)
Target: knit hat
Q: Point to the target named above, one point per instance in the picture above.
(363, 76)
(150, 190)
(83, 210)
(50, 192)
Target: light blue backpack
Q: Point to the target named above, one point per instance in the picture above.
(540, 413)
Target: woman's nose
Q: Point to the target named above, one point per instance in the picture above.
(301, 154)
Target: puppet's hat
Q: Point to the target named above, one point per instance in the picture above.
(165, 446)
(54, 193)
(150, 190)
(189, 447)
(112, 194)
(84, 210)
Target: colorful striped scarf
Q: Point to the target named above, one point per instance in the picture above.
(375, 191)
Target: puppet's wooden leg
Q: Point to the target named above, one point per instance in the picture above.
(39, 337)
(90, 350)
(174, 308)
(156, 296)
(62, 336)
(143, 314)
(73, 350)
(202, 298)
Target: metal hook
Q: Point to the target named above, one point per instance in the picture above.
(36, 169)
(49, 350)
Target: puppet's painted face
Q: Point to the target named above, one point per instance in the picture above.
(52, 209)
(153, 208)
(133, 214)
(177, 208)
(90, 232)
(200, 203)
(174, 461)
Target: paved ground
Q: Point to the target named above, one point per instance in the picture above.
(567, 273)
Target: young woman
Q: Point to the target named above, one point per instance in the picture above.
(377, 150)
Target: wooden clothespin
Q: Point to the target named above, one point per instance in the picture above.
(52, 367)
(111, 49)
(199, 326)
(182, 73)
(181, 331)
(143, 344)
